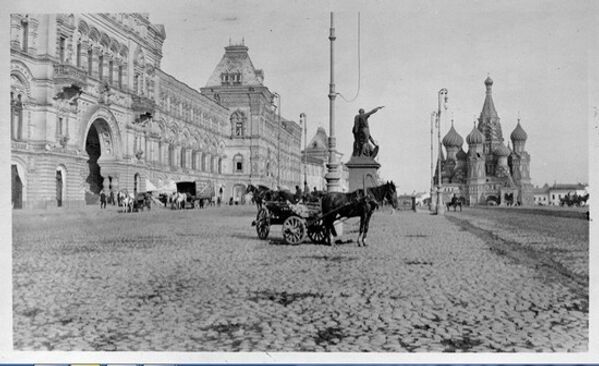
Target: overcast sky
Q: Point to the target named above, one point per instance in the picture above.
(535, 51)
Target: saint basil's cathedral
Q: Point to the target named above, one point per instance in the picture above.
(490, 172)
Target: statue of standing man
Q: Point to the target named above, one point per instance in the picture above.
(362, 137)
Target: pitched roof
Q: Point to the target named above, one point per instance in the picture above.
(319, 141)
(236, 60)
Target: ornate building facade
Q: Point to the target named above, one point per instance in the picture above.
(490, 172)
(263, 147)
(91, 109)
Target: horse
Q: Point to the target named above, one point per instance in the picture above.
(455, 203)
(258, 193)
(126, 200)
(355, 204)
(178, 200)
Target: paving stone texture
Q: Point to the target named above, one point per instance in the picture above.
(201, 280)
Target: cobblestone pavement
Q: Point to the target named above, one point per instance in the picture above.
(202, 281)
(565, 241)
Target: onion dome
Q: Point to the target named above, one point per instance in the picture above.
(452, 138)
(461, 155)
(501, 150)
(518, 134)
(475, 137)
(488, 81)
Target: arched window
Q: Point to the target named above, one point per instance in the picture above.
(61, 48)
(120, 76)
(16, 116)
(238, 124)
(220, 166)
(238, 163)
(202, 162)
(25, 27)
(101, 66)
(182, 162)
(171, 155)
(110, 67)
(78, 56)
(90, 60)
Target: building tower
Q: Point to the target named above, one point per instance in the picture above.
(476, 165)
(263, 147)
(453, 143)
(520, 165)
(488, 124)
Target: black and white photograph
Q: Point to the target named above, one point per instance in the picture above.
(379, 177)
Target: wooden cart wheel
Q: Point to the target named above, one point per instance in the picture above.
(263, 223)
(294, 230)
(317, 232)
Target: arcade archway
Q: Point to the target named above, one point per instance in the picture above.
(99, 148)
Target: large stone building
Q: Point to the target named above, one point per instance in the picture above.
(91, 109)
(263, 147)
(490, 172)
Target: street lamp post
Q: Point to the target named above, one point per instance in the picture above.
(440, 209)
(431, 204)
(304, 122)
(332, 175)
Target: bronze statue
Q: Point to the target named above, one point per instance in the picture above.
(362, 137)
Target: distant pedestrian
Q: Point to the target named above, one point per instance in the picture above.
(112, 201)
(298, 194)
(102, 199)
(230, 201)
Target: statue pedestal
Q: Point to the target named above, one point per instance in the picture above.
(362, 171)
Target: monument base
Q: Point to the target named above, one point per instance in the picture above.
(362, 172)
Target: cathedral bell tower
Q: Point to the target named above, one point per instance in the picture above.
(489, 125)
(476, 166)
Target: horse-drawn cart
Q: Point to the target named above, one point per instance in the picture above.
(297, 220)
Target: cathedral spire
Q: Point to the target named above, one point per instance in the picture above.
(488, 107)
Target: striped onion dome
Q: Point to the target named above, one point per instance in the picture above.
(501, 150)
(452, 138)
(518, 134)
(475, 137)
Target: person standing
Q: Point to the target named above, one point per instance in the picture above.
(102, 199)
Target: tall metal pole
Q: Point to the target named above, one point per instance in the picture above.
(431, 205)
(332, 175)
(440, 209)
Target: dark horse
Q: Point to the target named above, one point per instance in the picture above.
(258, 193)
(455, 203)
(262, 193)
(337, 205)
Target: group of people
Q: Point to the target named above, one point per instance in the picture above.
(305, 194)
